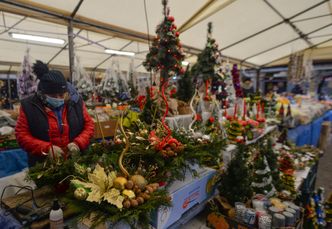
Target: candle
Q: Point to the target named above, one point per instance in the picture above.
(257, 113)
(235, 110)
(244, 109)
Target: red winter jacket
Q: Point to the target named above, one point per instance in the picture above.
(36, 146)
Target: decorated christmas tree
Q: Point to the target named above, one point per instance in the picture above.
(262, 179)
(165, 56)
(132, 81)
(286, 166)
(27, 81)
(228, 85)
(109, 87)
(124, 91)
(272, 160)
(186, 87)
(82, 80)
(150, 112)
(236, 181)
(208, 62)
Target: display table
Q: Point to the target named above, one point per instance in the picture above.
(12, 161)
(309, 134)
(228, 153)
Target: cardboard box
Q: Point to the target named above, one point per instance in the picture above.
(185, 195)
(106, 129)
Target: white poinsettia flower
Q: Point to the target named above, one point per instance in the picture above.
(114, 197)
(100, 185)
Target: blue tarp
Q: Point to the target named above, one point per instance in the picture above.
(12, 161)
(7, 221)
(309, 134)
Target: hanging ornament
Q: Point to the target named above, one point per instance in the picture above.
(170, 18)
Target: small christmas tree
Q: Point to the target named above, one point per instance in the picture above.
(208, 61)
(109, 87)
(262, 180)
(236, 181)
(150, 111)
(166, 53)
(82, 80)
(165, 56)
(186, 88)
(124, 91)
(228, 85)
(132, 81)
(272, 160)
(27, 81)
(286, 166)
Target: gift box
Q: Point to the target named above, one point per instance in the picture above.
(186, 195)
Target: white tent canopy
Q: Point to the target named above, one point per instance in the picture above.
(254, 32)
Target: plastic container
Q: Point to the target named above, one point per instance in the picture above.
(56, 216)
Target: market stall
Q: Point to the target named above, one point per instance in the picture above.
(150, 140)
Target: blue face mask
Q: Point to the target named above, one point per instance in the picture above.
(55, 102)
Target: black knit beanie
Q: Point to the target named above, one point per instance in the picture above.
(50, 82)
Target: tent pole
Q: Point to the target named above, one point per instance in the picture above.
(71, 49)
(258, 76)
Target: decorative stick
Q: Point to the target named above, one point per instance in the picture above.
(193, 110)
(125, 150)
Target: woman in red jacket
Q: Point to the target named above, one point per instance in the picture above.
(54, 122)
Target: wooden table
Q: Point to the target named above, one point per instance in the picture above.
(44, 198)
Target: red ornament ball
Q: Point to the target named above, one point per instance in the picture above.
(170, 18)
(177, 34)
(182, 71)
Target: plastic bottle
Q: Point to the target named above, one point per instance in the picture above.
(56, 216)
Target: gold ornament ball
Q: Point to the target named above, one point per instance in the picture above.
(80, 194)
(119, 183)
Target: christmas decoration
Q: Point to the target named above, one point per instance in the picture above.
(235, 132)
(236, 82)
(81, 80)
(208, 62)
(262, 179)
(186, 87)
(165, 56)
(132, 81)
(315, 212)
(236, 181)
(272, 160)
(328, 209)
(109, 87)
(286, 166)
(26, 80)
